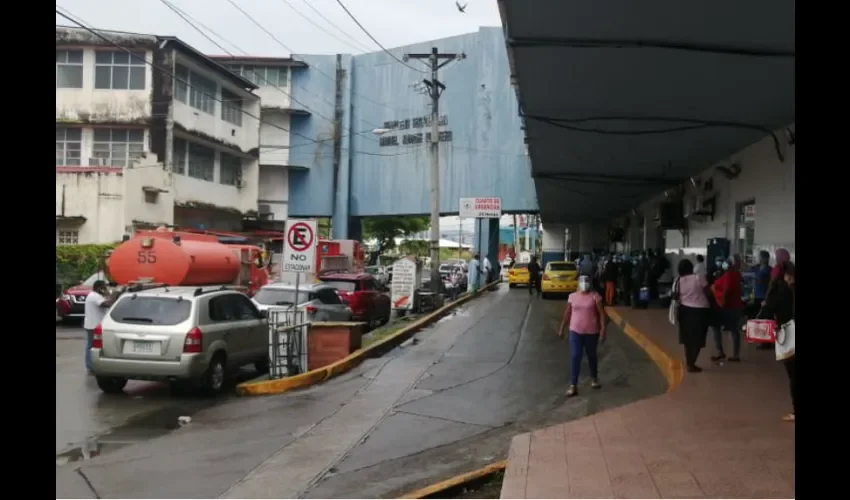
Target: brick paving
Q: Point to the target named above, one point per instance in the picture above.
(718, 435)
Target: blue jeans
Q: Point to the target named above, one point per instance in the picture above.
(579, 344)
(89, 342)
(730, 320)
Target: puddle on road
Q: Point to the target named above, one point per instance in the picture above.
(142, 428)
(459, 312)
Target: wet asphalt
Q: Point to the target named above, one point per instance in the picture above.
(445, 403)
(91, 423)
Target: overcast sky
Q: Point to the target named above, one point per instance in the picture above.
(392, 22)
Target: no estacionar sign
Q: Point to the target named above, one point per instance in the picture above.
(299, 250)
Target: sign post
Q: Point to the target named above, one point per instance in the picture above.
(299, 250)
(481, 208)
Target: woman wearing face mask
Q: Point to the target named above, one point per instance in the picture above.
(694, 310)
(728, 292)
(779, 305)
(586, 319)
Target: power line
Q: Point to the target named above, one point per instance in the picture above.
(293, 54)
(154, 66)
(143, 59)
(202, 25)
(178, 11)
(374, 39)
(355, 47)
(319, 13)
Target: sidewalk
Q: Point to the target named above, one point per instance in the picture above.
(717, 435)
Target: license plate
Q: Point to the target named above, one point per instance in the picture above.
(141, 347)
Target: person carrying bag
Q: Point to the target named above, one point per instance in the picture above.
(673, 313)
(780, 305)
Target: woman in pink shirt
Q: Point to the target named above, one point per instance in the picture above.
(692, 292)
(586, 318)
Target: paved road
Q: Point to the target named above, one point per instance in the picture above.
(441, 405)
(85, 414)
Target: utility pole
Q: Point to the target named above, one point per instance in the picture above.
(436, 60)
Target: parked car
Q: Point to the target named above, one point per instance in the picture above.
(71, 304)
(186, 336)
(360, 292)
(380, 273)
(319, 302)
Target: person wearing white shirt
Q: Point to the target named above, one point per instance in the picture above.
(699, 269)
(474, 274)
(95, 309)
(488, 271)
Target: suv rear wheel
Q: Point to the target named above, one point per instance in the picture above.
(111, 385)
(213, 381)
(262, 366)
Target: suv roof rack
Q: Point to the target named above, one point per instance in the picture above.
(138, 286)
(202, 290)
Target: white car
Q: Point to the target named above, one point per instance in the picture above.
(319, 302)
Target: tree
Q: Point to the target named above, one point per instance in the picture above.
(386, 229)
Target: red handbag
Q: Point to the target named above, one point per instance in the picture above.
(761, 331)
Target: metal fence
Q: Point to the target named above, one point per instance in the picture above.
(287, 343)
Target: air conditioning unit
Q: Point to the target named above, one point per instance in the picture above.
(99, 162)
(264, 208)
(699, 206)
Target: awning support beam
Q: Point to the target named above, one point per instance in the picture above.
(579, 43)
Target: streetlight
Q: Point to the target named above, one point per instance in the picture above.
(380, 131)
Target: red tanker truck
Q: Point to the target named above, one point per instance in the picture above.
(179, 258)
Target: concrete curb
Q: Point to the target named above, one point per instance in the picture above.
(313, 377)
(672, 369)
(430, 491)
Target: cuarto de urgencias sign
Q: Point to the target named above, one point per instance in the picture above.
(405, 131)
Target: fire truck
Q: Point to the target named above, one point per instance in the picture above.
(332, 256)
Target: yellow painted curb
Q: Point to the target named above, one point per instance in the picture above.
(313, 377)
(671, 368)
(432, 490)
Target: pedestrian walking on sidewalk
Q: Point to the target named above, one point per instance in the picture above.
(609, 277)
(586, 319)
(534, 275)
(728, 292)
(779, 305)
(95, 309)
(693, 293)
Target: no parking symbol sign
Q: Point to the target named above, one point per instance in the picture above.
(299, 249)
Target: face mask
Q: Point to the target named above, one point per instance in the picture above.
(725, 266)
(583, 284)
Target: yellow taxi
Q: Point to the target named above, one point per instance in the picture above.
(559, 277)
(518, 275)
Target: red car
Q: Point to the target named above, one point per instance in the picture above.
(72, 302)
(360, 292)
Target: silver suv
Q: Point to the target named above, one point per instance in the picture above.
(187, 336)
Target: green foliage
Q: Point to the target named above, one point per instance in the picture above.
(386, 229)
(452, 253)
(75, 263)
(420, 248)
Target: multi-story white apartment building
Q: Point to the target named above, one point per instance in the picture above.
(139, 100)
(273, 76)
